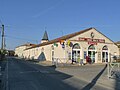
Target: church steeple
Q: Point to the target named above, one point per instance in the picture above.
(45, 37)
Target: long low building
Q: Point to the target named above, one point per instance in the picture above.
(89, 42)
(20, 49)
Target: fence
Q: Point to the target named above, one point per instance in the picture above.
(114, 70)
(61, 61)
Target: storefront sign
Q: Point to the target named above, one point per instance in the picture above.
(93, 43)
(92, 40)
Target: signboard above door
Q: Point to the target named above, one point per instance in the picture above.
(91, 40)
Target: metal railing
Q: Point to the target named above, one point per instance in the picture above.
(60, 61)
(114, 70)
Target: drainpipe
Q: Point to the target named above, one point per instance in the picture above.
(119, 50)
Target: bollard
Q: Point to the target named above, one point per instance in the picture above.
(56, 63)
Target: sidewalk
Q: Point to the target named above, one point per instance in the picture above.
(95, 74)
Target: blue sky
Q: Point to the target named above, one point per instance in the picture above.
(25, 20)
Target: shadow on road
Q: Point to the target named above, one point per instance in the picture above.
(117, 81)
(93, 82)
(39, 77)
(117, 84)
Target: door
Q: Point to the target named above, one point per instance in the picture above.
(91, 53)
(76, 52)
(76, 55)
(105, 54)
(92, 56)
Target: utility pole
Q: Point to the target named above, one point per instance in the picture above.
(2, 44)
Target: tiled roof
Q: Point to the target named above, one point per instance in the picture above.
(61, 38)
(118, 42)
(27, 44)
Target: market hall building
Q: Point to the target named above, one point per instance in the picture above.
(89, 42)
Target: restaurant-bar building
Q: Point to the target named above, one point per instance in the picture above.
(89, 42)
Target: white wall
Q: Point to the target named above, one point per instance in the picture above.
(59, 52)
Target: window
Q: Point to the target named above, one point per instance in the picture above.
(91, 47)
(105, 48)
(76, 46)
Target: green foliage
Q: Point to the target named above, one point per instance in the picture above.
(3, 52)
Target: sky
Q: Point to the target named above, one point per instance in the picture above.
(25, 21)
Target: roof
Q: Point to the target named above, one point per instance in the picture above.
(118, 42)
(61, 38)
(11, 50)
(27, 44)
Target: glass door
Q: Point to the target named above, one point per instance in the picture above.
(104, 56)
(76, 52)
(91, 54)
(76, 55)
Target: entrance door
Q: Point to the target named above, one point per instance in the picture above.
(92, 56)
(76, 55)
(91, 53)
(76, 52)
(105, 54)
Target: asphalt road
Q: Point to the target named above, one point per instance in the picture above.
(22, 75)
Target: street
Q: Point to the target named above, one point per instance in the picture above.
(23, 75)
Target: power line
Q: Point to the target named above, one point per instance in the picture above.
(19, 38)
